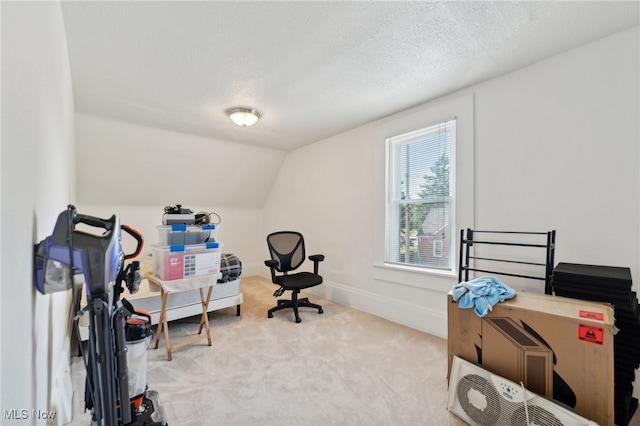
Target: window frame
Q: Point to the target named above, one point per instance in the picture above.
(393, 196)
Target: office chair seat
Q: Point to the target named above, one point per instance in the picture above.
(287, 254)
(298, 281)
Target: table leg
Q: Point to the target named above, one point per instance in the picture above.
(204, 319)
(161, 319)
(165, 325)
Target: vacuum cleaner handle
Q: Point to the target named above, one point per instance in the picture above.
(138, 236)
(107, 224)
(143, 314)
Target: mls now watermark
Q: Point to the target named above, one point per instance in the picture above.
(24, 414)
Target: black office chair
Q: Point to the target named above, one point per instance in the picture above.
(287, 254)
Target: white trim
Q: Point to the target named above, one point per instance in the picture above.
(415, 269)
(408, 314)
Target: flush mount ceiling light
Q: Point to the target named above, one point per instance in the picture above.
(244, 117)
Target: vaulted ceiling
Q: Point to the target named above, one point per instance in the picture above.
(314, 69)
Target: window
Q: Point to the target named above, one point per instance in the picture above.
(437, 248)
(420, 194)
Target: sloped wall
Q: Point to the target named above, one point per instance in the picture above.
(125, 164)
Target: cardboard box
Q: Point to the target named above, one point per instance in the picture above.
(558, 347)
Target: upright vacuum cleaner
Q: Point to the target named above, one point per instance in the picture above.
(118, 335)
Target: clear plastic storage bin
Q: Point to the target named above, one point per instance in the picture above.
(178, 235)
(184, 261)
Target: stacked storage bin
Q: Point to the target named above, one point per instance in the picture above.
(609, 284)
(186, 251)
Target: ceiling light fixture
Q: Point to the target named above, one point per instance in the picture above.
(244, 117)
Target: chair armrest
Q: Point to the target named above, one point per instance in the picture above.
(272, 264)
(316, 258)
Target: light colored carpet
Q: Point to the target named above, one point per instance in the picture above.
(344, 367)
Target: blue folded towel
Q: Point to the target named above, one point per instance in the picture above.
(481, 294)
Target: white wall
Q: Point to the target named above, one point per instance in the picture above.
(37, 178)
(556, 147)
(125, 164)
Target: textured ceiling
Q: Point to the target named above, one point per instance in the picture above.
(314, 69)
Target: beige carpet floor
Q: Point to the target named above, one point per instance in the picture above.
(344, 367)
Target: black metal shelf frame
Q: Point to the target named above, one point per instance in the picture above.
(468, 241)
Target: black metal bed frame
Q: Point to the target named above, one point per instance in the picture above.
(467, 254)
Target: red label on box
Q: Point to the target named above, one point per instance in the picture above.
(591, 334)
(591, 315)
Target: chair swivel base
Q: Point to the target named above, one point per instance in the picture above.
(294, 304)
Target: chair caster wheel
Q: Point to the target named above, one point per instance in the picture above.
(298, 320)
(320, 311)
(270, 315)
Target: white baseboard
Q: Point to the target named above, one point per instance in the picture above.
(411, 315)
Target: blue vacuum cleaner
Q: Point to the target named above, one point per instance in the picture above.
(91, 246)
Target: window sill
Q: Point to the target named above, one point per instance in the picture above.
(415, 269)
(432, 279)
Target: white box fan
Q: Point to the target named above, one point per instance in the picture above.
(482, 398)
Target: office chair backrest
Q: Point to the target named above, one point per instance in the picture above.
(287, 247)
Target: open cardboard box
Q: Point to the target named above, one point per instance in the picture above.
(558, 347)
